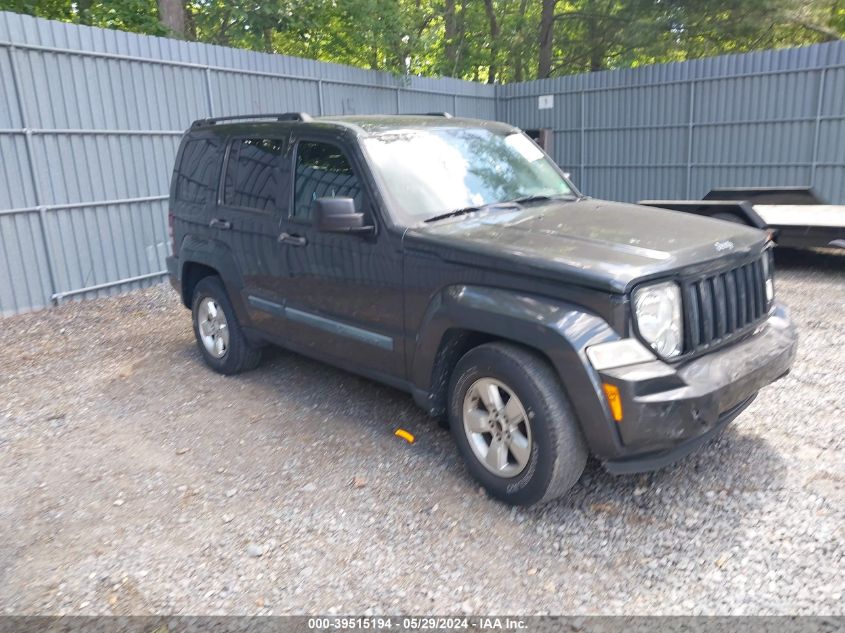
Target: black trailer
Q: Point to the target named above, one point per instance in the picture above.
(795, 216)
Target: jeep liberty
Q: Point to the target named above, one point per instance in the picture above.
(451, 258)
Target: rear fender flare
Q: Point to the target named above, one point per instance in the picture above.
(217, 255)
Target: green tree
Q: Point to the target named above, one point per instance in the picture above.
(485, 40)
(138, 16)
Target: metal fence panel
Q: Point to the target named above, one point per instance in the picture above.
(9, 111)
(235, 93)
(475, 107)
(90, 121)
(15, 184)
(86, 167)
(349, 99)
(24, 273)
(97, 244)
(678, 130)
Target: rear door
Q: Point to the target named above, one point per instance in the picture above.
(193, 188)
(253, 198)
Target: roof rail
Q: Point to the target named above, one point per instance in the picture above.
(284, 116)
(445, 115)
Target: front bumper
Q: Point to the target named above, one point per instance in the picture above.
(668, 411)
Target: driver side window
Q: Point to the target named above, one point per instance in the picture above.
(322, 171)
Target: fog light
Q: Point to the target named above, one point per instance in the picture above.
(626, 351)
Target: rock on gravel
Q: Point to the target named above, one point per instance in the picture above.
(99, 399)
(255, 550)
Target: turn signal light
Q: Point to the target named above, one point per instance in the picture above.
(611, 392)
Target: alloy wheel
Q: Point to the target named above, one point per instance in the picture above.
(213, 328)
(497, 427)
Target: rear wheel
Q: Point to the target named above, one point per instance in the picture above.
(513, 424)
(219, 336)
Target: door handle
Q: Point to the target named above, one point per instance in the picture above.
(293, 240)
(218, 223)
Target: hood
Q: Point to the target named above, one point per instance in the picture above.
(606, 245)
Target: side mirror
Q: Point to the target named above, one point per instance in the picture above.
(338, 215)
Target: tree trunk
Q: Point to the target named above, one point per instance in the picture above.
(190, 26)
(451, 40)
(517, 53)
(83, 8)
(495, 32)
(547, 24)
(171, 14)
(375, 59)
(594, 41)
(267, 37)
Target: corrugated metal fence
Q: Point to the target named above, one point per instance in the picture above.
(90, 120)
(678, 130)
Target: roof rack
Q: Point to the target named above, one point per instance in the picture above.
(445, 115)
(284, 116)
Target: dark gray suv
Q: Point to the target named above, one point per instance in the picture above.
(452, 259)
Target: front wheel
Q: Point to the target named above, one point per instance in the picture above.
(513, 424)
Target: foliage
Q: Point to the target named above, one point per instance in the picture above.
(486, 40)
(139, 16)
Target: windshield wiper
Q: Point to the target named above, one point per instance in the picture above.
(545, 197)
(507, 204)
(465, 210)
(534, 198)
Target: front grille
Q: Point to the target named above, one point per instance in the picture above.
(722, 306)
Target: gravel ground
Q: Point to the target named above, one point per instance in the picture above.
(134, 480)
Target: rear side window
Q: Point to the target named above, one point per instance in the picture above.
(253, 174)
(199, 171)
(322, 171)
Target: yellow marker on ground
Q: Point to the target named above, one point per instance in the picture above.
(404, 435)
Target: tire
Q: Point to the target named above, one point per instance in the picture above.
(221, 342)
(555, 453)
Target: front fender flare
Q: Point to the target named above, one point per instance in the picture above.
(558, 330)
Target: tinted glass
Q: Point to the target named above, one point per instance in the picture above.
(433, 171)
(322, 171)
(199, 171)
(253, 173)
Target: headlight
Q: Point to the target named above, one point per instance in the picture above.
(657, 309)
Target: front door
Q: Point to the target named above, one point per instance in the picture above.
(343, 292)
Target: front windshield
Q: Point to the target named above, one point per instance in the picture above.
(430, 172)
